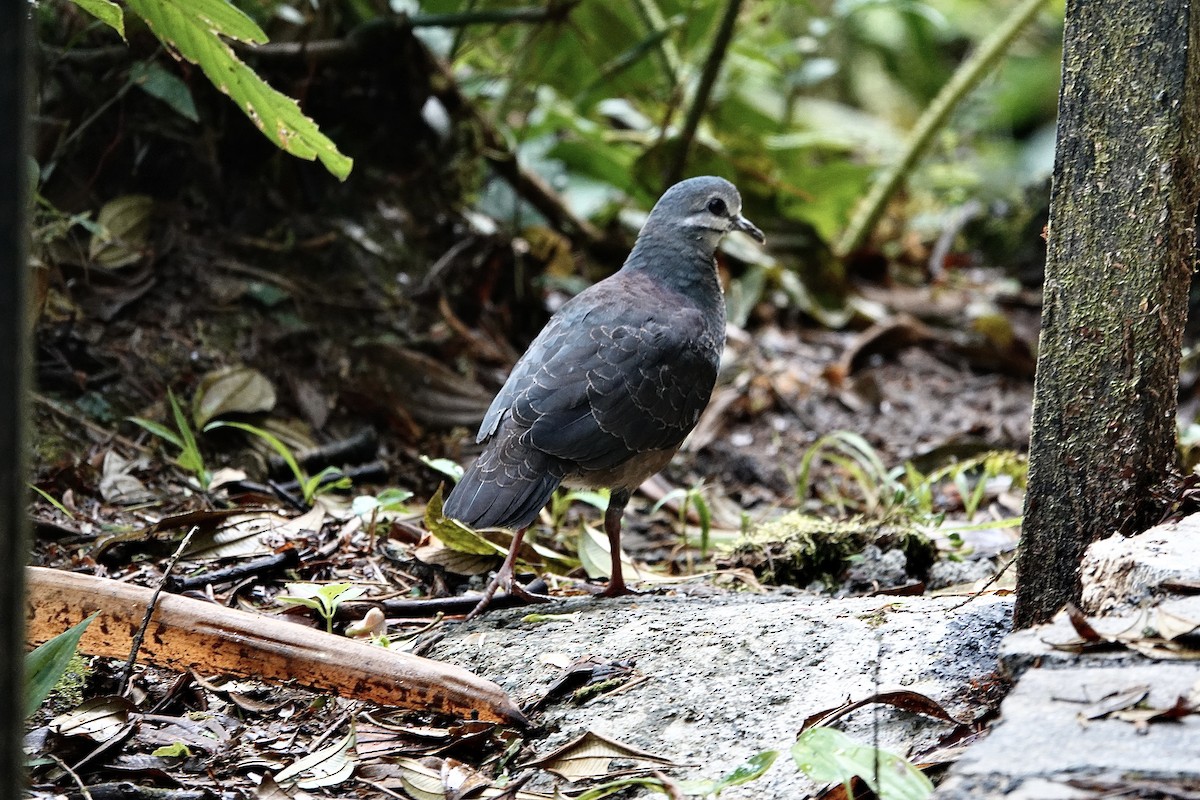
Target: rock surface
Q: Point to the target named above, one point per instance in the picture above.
(1048, 743)
(727, 677)
(1045, 746)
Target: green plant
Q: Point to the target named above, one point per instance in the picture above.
(195, 31)
(904, 491)
(311, 486)
(50, 499)
(322, 598)
(389, 501)
(692, 497)
(182, 437)
(755, 767)
(826, 755)
(855, 457)
(449, 468)
(561, 501)
(46, 664)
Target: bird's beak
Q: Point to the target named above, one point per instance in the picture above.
(744, 225)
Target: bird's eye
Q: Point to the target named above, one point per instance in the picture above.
(717, 206)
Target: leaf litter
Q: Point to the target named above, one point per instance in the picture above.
(911, 382)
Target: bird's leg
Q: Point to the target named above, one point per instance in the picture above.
(505, 577)
(612, 526)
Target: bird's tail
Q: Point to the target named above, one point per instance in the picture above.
(497, 493)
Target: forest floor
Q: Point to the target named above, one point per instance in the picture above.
(319, 355)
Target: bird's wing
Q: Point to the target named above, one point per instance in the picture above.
(619, 385)
(543, 348)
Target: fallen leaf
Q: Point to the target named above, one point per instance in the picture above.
(903, 699)
(1115, 701)
(117, 485)
(125, 225)
(589, 756)
(100, 719)
(328, 766)
(231, 390)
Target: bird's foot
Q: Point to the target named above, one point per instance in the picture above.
(504, 579)
(617, 588)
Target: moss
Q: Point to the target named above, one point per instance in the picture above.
(68, 692)
(799, 548)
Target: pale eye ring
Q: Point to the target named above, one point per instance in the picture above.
(717, 206)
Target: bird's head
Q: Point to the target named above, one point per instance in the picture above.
(704, 208)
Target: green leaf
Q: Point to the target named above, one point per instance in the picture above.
(189, 457)
(50, 499)
(192, 29)
(162, 85)
(753, 769)
(106, 11)
(159, 430)
(450, 469)
(45, 665)
(827, 755)
(176, 750)
(274, 441)
(454, 534)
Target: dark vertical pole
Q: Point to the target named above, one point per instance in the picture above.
(1120, 254)
(14, 332)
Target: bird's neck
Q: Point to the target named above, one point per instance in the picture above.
(685, 264)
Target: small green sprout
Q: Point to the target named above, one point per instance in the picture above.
(322, 598)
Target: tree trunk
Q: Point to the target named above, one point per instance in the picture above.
(14, 319)
(1121, 250)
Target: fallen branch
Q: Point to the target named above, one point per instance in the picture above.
(186, 634)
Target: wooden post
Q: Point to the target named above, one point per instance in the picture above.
(14, 328)
(1121, 252)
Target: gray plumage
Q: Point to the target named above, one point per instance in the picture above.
(620, 374)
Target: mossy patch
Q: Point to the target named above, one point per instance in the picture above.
(799, 548)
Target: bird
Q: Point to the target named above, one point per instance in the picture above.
(614, 382)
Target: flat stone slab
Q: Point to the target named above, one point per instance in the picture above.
(1041, 744)
(1122, 572)
(729, 676)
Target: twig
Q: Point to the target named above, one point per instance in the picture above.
(708, 77)
(236, 572)
(964, 79)
(354, 449)
(437, 605)
(141, 632)
(990, 581)
(74, 776)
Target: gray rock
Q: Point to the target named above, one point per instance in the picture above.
(1121, 572)
(728, 677)
(1042, 740)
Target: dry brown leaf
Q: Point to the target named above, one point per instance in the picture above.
(328, 766)
(589, 756)
(231, 390)
(117, 485)
(99, 719)
(1115, 701)
(253, 534)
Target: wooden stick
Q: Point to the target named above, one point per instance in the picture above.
(191, 634)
